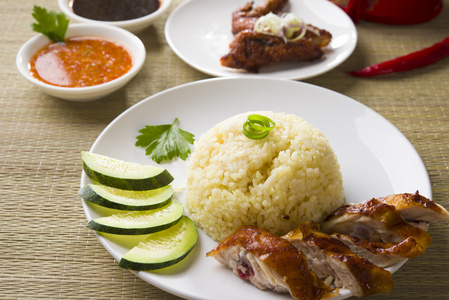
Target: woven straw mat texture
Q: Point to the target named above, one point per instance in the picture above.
(46, 250)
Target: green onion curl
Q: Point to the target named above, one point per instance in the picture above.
(257, 127)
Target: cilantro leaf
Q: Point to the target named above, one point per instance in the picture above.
(51, 24)
(164, 142)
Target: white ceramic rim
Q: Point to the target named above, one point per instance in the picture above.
(357, 131)
(201, 40)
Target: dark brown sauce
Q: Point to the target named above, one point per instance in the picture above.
(114, 10)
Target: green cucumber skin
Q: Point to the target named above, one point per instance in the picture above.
(88, 194)
(130, 231)
(143, 184)
(191, 236)
(131, 265)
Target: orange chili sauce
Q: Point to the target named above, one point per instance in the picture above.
(80, 62)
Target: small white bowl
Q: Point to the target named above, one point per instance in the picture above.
(132, 43)
(134, 25)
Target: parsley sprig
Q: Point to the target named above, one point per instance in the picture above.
(165, 142)
(53, 25)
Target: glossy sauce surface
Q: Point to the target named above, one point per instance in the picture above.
(80, 62)
(114, 10)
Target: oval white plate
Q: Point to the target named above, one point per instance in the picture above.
(199, 32)
(376, 160)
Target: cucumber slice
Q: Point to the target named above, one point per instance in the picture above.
(139, 222)
(162, 249)
(124, 175)
(124, 199)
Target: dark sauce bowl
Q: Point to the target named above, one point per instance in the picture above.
(134, 25)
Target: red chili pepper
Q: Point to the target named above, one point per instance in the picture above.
(407, 62)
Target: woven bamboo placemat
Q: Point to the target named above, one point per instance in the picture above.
(46, 250)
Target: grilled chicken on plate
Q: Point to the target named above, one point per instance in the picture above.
(350, 249)
(263, 38)
(381, 254)
(252, 50)
(246, 16)
(331, 259)
(269, 262)
(416, 208)
(374, 221)
(388, 229)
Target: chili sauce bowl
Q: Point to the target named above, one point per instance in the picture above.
(122, 37)
(133, 25)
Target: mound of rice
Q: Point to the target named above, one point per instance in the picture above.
(288, 177)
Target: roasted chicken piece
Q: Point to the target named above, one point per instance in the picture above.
(381, 254)
(376, 222)
(245, 17)
(416, 208)
(330, 258)
(269, 262)
(251, 50)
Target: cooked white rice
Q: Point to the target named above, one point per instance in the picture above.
(290, 176)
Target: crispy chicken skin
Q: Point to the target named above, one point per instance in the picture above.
(330, 258)
(251, 50)
(381, 254)
(376, 222)
(377, 229)
(268, 261)
(414, 207)
(245, 17)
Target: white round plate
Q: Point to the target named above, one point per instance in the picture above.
(375, 158)
(199, 32)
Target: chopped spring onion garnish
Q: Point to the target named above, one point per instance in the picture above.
(288, 26)
(257, 127)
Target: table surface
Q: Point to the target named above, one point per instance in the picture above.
(46, 250)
